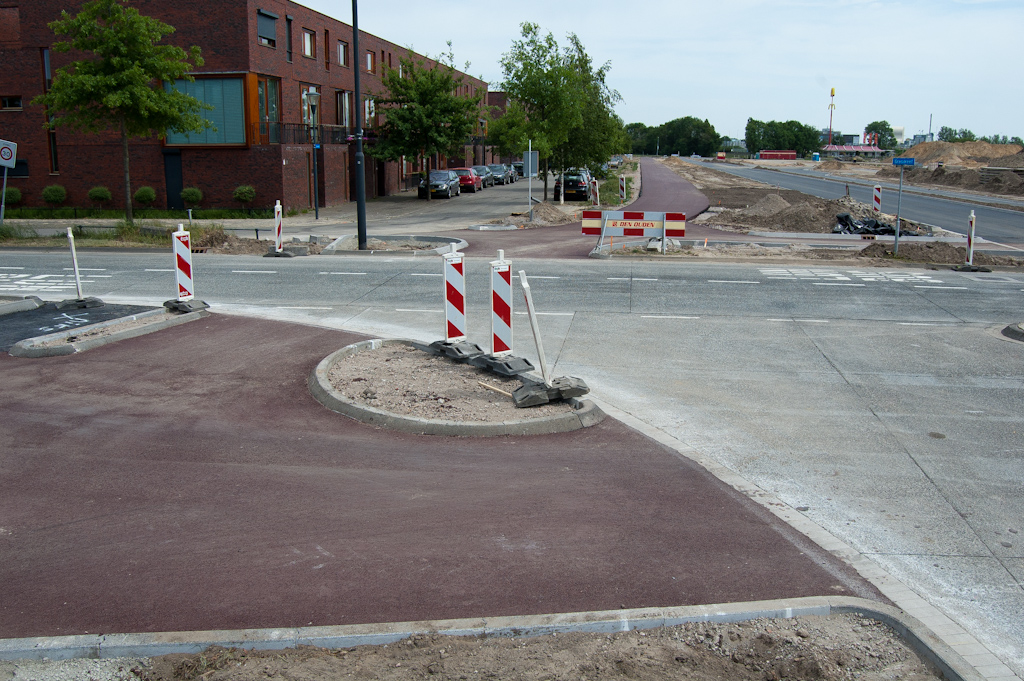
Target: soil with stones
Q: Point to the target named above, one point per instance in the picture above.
(403, 380)
(821, 648)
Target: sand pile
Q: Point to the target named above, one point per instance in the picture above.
(813, 216)
(831, 164)
(769, 205)
(965, 178)
(967, 154)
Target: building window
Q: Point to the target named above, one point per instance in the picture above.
(225, 95)
(344, 108)
(266, 28)
(303, 89)
(371, 62)
(369, 113)
(327, 49)
(308, 43)
(20, 169)
(268, 92)
(288, 36)
(11, 102)
(343, 53)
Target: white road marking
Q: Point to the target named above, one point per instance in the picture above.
(537, 276)
(731, 281)
(159, 270)
(916, 324)
(548, 314)
(399, 309)
(655, 316)
(285, 307)
(86, 269)
(638, 279)
(832, 283)
(424, 274)
(954, 288)
(253, 271)
(12, 268)
(357, 273)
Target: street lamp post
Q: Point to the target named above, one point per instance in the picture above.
(360, 170)
(313, 98)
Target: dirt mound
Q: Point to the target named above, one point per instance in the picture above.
(831, 164)
(544, 215)
(769, 205)
(1015, 161)
(936, 252)
(805, 648)
(965, 178)
(812, 216)
(967, 154)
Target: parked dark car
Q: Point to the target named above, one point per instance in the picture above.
(469, 179)
(500, 172)
(485, 174)
(577, 186)
(518, 166)
(442, 183)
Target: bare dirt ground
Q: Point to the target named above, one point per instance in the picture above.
(824, 648)
(403, 380)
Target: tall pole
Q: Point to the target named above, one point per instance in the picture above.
(831, 108)
(360, 159)
(316, 147)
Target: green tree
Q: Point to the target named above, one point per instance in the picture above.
(947, 134)
(782, 135)
(1017, 140)
(549, 91)
(423, 115)
(120, 84)
(886, 137)
(689, 135)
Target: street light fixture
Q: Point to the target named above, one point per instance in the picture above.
(313, 98)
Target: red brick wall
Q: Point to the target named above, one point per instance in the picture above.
(334, 174)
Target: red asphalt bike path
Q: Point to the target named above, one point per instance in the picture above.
(187, 480)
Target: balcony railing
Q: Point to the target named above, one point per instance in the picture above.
(299, 133)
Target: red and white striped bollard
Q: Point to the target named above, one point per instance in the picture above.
(877, 199)
(454, 296)
(183, 264)
(622, 188)
(501, 306)
(278, 225)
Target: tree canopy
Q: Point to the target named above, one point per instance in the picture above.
(684, 136)
(886, 137)
(120, 85)
(558, 101)
(423, 114)
(947, 134)
(791, 135)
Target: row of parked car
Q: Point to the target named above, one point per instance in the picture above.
(451, 182)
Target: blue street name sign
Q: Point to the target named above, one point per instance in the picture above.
(903, 161)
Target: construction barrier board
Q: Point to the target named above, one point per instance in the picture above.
(647, 224)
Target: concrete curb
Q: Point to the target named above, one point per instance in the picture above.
(34, 347)
(585, 413)
(910, 629)
(444, 245)
(1014, 331)
(12, 306)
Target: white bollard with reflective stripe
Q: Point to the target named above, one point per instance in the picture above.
(278, 226)
(501, 306)
(454, 296)
(970, 239)
(622, 188)
(595, 193)
(183, 264)
(877, 199)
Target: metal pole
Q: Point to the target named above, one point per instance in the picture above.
(360, 159)
(536, 328)
(74, 260)
(529, 175)
(899, 204)
(316, 177)
(3, 199)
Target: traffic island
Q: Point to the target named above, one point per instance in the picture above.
(393, 245)
(391, 384)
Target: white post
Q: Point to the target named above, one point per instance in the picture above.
(3, 198)
(970, 239)
(529, 175)
(561, 192)
(536, 327)
(454, 296)
(74, 260)
(278, 225)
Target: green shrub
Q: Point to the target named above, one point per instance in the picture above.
(145, 196)
(12, 196)
(191, 196)
(100, 195)
(54, 195)
(245, 193)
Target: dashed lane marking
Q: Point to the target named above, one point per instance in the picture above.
(731, 281)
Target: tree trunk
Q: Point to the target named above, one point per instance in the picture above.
(545, 179)
(427, 164)
(128, 216)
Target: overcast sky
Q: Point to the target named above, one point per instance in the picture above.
(726, 61)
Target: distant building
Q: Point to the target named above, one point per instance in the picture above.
(847, 150)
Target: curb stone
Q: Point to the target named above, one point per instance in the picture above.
(12, 306)
(444, 245)
(911, 630)
(35, 347)
(1015, 331)
(585, 413)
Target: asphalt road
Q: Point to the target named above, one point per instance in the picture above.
(941, 209)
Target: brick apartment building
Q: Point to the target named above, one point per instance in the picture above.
(260, 56)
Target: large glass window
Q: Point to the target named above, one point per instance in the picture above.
(225, 95)
(268, 92)
(344, 108)
(308, 43)
(303, 89)
(343, 53)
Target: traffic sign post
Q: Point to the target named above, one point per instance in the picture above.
(8, 158)
(902, 163)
